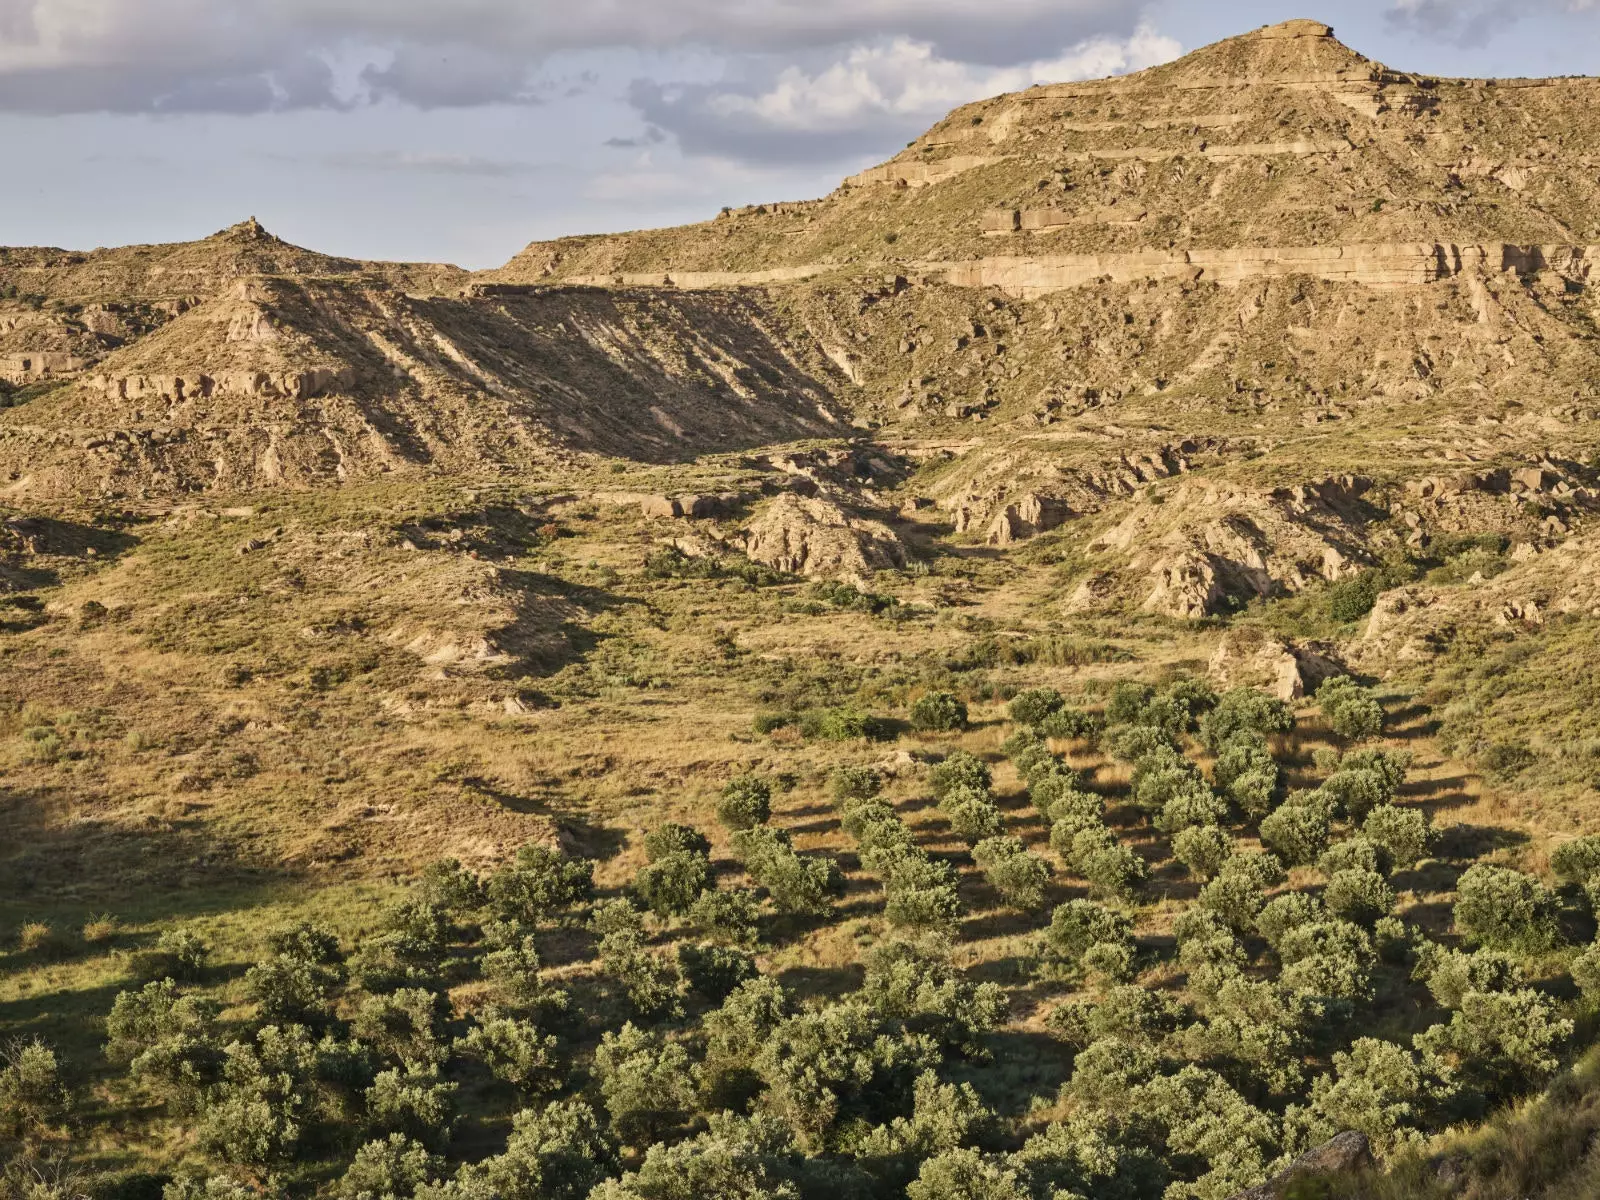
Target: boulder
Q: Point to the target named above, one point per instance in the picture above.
(1027, 517)
(1187, 586)
(1250, 657)
(1348, 1152)
(805, 535)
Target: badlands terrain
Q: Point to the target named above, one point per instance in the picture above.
(1066, 668)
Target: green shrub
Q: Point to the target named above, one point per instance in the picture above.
(1241, 710)
(1288, 911)
(33, 1099)
(672, 838)
(1298, 831)
(1202, 849)
(1019, 877)
(517, 1051)
(406, 1026)
(1452, 974)
(1505, 760)
(394, 1167)
(960, 769)
(843, 725)
(1586, 972)
(1070, 724)
(849, 784)
(915, 986)
(745, 803)
(1358, 895)
(1110, 868)
(671, 884)
(541, 883)
(648, 1084)
(938, 712)
(1033, 706)
(714, 971)
(1401, 833)
(1377, 1089)
(1504, 909)
(177, 954)
(1352, 712)
(1079, 924)
(413, 1102)
(973, 817)
(558, 1152)
(1498, 1041)
(1127, 702)
(1352, 854)
(729, 918)
(1577, 861)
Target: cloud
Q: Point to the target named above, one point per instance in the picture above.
(1472, 23)
(236, 56)
(866, 98)
(414, 162)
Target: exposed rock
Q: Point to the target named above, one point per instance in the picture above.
(1250, 657)
(814, 537)
(1094, 593)
(1027, 517)
(1348, 1152)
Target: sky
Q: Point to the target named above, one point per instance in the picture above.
(460, 130)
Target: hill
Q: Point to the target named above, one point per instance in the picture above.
(1065, 668)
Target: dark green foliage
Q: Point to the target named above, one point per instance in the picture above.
(973, 816)
(1070, 723)
(33, 1099)
(915, 986)
(1505, 910)
(648, 1084)
(843, 725)
(649, 983)
(745, 803)
(938, 712)
(735, 1034)
(1094, 1154)
(394, 1166)
(1110, 868)
(1402, 834)
(1034, 706)
(1127, 703)
(1019, 877)
(1298, 831)
(1244, 710)
(178, 954)
(1352, 712)
(672, 838)
(415, 1102)
(1246, 773)
(540, 884)
(559, 1152)
(451, 888)
(258, 1115)
(167, 1040)
(960, 769)
(1352, 854)
(1375, 1088)
(669, 885)
(1133, 743)
(714, 971)
(1238, 891)
(1351, 599)
(1079, 924)
(848, 784)
(797, 884)
(517, 1051)
(1203, 849)
(1329, 958)
(406, 1026)
(1497, 1041)
(1359, 895)
(729, 918)
(1288, 911)
(1577, 861)
(740, 1158)
(1453, 974)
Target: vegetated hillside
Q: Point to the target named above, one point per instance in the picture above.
(1065, 669)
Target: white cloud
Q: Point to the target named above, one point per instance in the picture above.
(908, 79)
(259, 55)
(1475, 22)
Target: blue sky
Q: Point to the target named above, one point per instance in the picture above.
(460, 131)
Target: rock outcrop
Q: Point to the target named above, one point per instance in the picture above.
(805, 535)
(1249, 657)
(1343, 1154)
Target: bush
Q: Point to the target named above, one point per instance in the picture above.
(973, 817)
(746, 802)
(938, 712)
(33, 1100)
(672, 838)
(290, 990)
(1352, 854)
(1376, 1089)
(648, 1085)
(1019, 877)
(541, 883)
(714, 971)
(1452, 974)
(960, 769)
(1194, 805)
(1109, 867)
(1202, 849)
(1358, 895)
(1498, 1041)
(1070, 724)
(1298, 831)
(414, 1102)
(406, 1026)
(1586, 973)
(1080, 924)
(1352, 712)
(1287, 912)
(1246, 772)
(1351, 599)
(671, 884)
(1401, 833)
(393, 1167)
(850, 784)
(1127, 702)
(518, 1052)
(731, 918)
(1034, 706)
(1505, 910)
(177, 954)
(915, 986)
(965, 1175)
(1578, 861)
(843, 725)
(559, 1152)
(1505, 760)
(1244, 710)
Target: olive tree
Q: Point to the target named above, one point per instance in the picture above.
(1505, 909)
